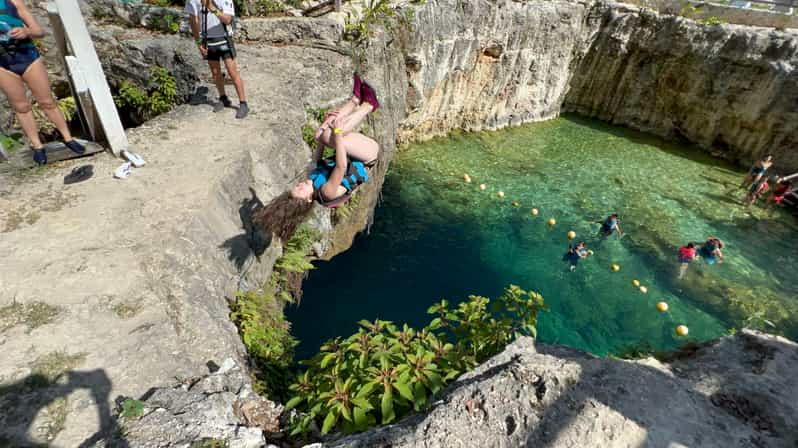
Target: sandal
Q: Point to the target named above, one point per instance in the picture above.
(79, 174)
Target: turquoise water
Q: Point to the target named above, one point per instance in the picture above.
(436, 236)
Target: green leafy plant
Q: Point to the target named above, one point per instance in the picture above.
(132, 408)
(711, 20)
(10, 143)
(383, 372)
(266, 335)
(259, 317)
(158, 99)
(315, 116)
(269, 7)
(358, 27)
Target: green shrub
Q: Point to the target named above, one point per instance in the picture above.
(259, 315)
(263, 329)
(315, 116)
(383, 372)
(158, 99)
(132, 409)
(712, 20)
(167, 23)
(269, 7)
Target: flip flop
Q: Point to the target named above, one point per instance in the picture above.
(79, 174)
(123, 171)
(134, 158)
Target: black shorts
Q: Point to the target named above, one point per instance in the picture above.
(220, 48)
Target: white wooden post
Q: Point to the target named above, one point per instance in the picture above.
(77, 49)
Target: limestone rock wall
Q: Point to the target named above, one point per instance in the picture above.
(732, 89)
(486, 64)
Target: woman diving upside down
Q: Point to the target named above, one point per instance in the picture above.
(331, 181)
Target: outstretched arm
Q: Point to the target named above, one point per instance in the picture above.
(330, 188)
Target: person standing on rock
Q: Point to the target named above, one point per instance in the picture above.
(757, 171)
(20, 64)
(210, 25)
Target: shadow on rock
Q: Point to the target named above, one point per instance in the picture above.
(40, 396)
(252, 242)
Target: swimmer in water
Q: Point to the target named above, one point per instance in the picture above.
(710, 250)
(686, 255)
(610, 225)
(574, 254)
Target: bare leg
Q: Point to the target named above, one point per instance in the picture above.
(356, 145)
(682, 269)
(353, 120)
(36, 78)
(232, 70)
(14, 88)
(216, 71)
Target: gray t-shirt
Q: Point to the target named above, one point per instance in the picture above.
(215, 26)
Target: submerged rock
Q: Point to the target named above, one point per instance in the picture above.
(738, 391)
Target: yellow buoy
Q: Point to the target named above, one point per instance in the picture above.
(467, 178)
(534, 212)
(500, 194)
(589, 252)
(643, 289)
(552, 221)
(636, 282)
(615, 268)
(662, 307)
(516, 204)
(682, 330)
(571, 234)
(482, 187)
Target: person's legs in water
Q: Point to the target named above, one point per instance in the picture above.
(13, 87)
(682, 268)
(232, 70)
(38, 82)
(218, 79)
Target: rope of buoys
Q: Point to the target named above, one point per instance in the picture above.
(681, 330)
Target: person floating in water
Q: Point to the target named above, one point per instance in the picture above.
(332, 181)
(574, 254)
(610, 225)
(710, 250)
(757, 189)
(783, 188)
(757, 171)
(686, 255)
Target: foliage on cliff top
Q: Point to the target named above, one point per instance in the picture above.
(383, 372)
(147, 103)
(259, 315)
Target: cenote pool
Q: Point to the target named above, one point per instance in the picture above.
(436, 236)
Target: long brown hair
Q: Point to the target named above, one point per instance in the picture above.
(282, 215)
